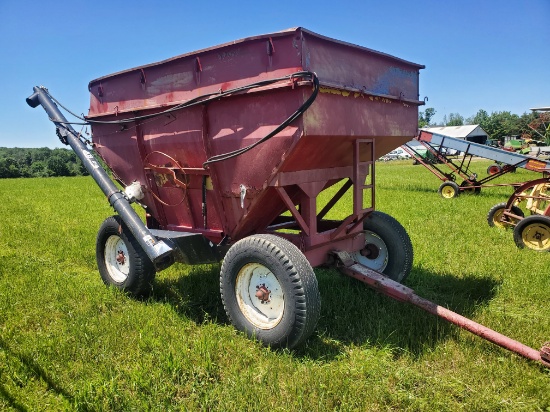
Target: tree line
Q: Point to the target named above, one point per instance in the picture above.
(497, 124)
(40, 162)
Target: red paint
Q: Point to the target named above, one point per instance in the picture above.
(364, 95)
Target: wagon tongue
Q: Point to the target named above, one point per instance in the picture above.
(395, 290)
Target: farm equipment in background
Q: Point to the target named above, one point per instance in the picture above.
(228, 149)
(443, 150)
(541, 127)
(526, 146)
(533, 231)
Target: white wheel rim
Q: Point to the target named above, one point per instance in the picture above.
(117, 259)
(377, 261)
(263, 312)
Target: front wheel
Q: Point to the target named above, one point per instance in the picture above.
(533, 232)
(448, 190)
(496, 217)
(269, 290)
(388, 248)
(121, 261)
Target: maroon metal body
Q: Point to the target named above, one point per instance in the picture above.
(367, 105)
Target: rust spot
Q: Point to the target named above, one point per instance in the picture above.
(263, 293)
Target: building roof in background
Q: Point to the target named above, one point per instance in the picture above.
(460, 132)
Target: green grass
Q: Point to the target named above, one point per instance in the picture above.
(69, 343)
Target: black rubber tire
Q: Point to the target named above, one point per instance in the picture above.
(531, 227)
(469, 187)
(448, 190)
(141, 271)
(396, 244)
(494, 169)
(495, 212)
(297, 281)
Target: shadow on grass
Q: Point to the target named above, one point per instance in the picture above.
(351, 313)
(195, 295)
(32, 367)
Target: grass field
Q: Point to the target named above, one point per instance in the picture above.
(69, 343)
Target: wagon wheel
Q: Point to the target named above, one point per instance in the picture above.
(533, 232)
(269, 290)
(494, 169)
(121, 261)
(470, 186)
(448, 190)
(388, 248)
(496, 215)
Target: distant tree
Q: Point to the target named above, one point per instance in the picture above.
(480, 118)
(536, 126)
(39, 162)
(39, 169)
(501, 124)
(9, 167)
(454, 119)
(40, 154)
(57, 166)
(425, 117)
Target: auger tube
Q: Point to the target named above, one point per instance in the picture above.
(157, 250)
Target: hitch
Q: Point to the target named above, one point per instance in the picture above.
(402, 293)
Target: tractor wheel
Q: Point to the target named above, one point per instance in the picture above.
(448, 190)
(121, 261)
(533, 232)
(269, 291)
(494, 169)
(388, 248)
(494, 217)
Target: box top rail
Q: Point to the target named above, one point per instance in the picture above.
(259, 37)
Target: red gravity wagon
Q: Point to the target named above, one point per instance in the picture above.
(229, 148)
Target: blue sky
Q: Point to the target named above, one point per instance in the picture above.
(492, 55)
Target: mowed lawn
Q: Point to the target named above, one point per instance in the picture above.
(67, 342)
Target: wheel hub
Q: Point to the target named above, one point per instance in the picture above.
(117, 259)
(537, 237)
(120, 257)
(374, 254)
(260, 295)
(263, 293)
(370, 251)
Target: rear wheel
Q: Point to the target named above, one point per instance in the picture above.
(470, 186)
(533, 233)
(121, 261)
(269, 290)
(494, 169)
(496, 218)
(448, 190)
(388, 248)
